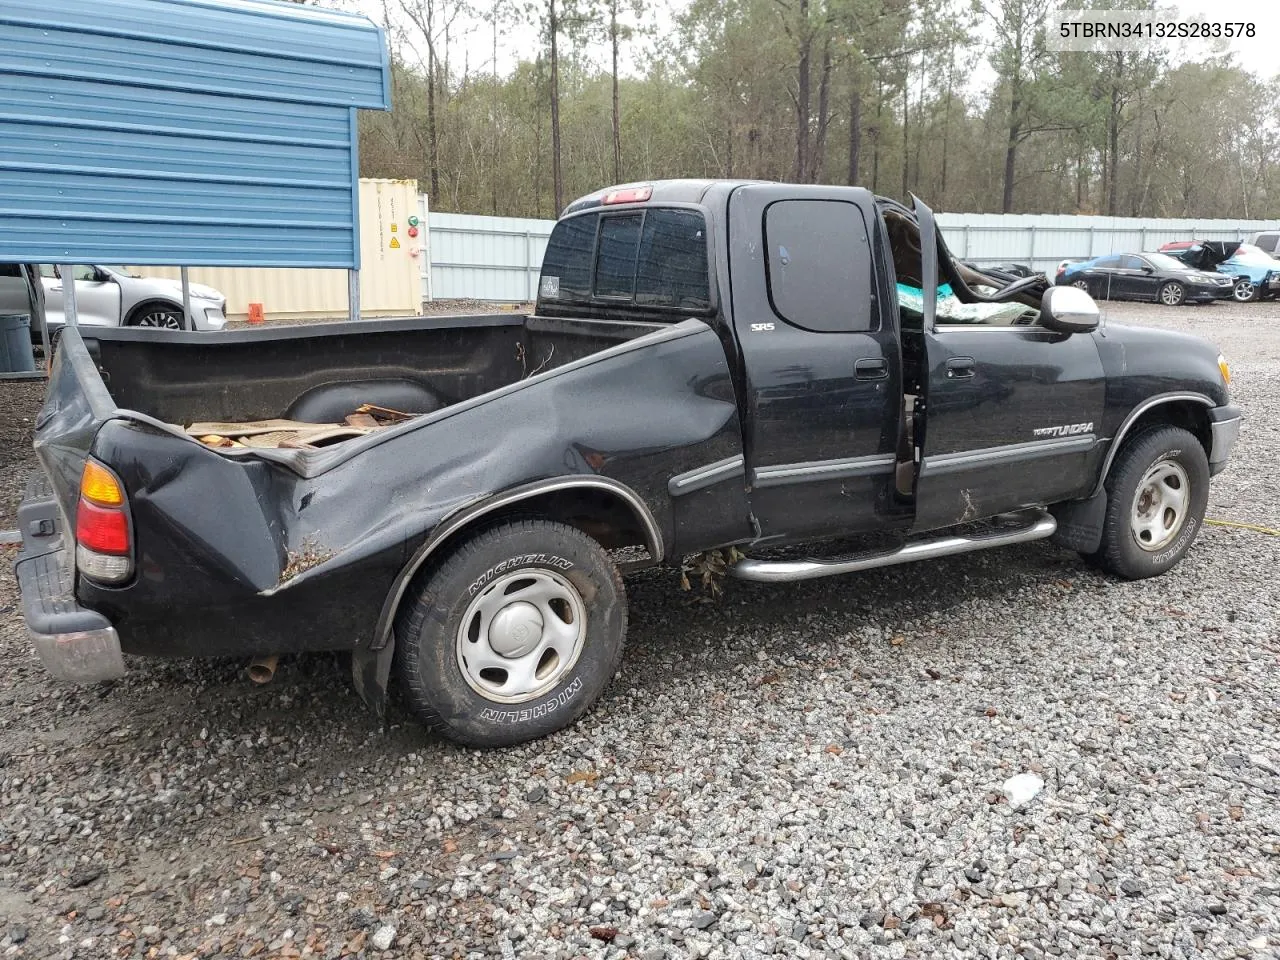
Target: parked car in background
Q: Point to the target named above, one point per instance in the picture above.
(1268, 241)
(1145, 276)
(21, 292)
(1256, 272)
(114, 297)
(1007, 269)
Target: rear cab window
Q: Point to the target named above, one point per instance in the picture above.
(819, 270)
(651, 261)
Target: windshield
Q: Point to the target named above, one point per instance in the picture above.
(1164, 262)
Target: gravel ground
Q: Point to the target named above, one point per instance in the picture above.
(805, 771)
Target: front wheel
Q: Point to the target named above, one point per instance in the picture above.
(1172, 293)
(1244, 291)
(513, 636)
(1157, 492)
(157, 315)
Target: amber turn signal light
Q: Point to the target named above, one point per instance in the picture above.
(98, 485)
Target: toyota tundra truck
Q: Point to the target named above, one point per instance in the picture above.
(801, 380)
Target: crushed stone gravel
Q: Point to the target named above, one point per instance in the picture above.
(814, 770)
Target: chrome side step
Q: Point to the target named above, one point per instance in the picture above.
(778, 571)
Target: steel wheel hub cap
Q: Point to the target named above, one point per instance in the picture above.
(1160, 505)
(516, 630)
(521, 635)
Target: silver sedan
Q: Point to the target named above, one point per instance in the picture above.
(113, 297)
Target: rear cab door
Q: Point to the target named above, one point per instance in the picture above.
(821, 363)
(1011, 412)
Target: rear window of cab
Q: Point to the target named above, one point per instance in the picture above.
(653, 258)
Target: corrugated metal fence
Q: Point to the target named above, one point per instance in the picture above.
(498, 258)
(1042, 241)
(483, 258)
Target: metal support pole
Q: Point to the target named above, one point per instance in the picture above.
(528, 268)
(67, 273)
(353, 294)
(187, 319)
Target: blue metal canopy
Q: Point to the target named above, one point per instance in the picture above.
(184, 132)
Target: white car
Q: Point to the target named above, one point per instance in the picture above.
(113, 297)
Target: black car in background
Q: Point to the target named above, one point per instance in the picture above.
(1144, 276)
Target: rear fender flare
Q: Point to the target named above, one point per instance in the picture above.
(371, 665)
(465, 517)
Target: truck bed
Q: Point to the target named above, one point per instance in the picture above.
(320, 373)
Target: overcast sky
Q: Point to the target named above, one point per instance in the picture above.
(474, 40)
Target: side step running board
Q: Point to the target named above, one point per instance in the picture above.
(777, 571)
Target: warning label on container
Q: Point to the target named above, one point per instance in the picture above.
(395, 244)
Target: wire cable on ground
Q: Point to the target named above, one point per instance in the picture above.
(1269, 531)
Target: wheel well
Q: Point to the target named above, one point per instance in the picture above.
(147, 304)
(599, 508)
(598, 513)
(1187, 414)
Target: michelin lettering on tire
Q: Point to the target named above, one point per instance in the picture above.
(539, 710)
(1183, 539)
(549, 560)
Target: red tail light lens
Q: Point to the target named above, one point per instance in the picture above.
(101, 529)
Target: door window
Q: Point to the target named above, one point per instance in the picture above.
(1132, 263)
(1107, 263)
(819, 265)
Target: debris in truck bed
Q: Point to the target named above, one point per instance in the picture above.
(296, 434)
(382, 414)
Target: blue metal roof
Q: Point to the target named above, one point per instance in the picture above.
(199, 132)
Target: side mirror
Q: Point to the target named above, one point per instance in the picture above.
(1147, 268)
(1068, 310)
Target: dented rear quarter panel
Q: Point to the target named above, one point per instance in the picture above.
(239, 555)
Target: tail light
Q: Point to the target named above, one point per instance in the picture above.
(104, 538)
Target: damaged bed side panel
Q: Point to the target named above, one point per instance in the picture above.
(238, 556)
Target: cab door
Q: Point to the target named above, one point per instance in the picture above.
(1142, 282)
(822, 370)
(1011, 413)
(97, 297)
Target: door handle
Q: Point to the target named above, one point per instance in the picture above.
(961, 367)
(871, 368)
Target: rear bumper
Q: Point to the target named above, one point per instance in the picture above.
(73, 643)
(1224, 429)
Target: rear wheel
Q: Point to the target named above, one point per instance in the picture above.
(513, 636)
(1157, 492)
(1081, 285)
(1172, 293)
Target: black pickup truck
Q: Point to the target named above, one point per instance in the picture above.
(803, 373)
